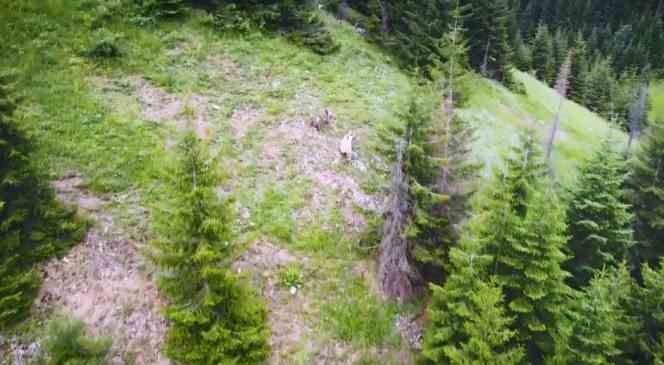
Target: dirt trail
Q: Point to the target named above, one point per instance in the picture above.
(100, 283)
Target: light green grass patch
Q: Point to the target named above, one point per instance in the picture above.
(657, 101)
(500, 115)
(357, 316)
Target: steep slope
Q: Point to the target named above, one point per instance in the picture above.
(499, 115)
(657, 101)
(301, 207)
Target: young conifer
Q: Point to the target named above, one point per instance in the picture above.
(599, 220)
(543, 54)
(525, 235)
(651, 309)
(214, 317)
(596, 318)
(646, 194)
(487, 22)
(468, 323)
(411, 221)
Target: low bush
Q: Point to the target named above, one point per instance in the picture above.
(360, 317)
(67, 343)
(298, 19)
(104, 45)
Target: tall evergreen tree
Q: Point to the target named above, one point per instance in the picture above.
(560, 48)
(646, 194)
(489, 38)
(544, 55)
(599, 220)
(33, 226)
(651, 309)
(599, 88)
(412, 225)
(526, 237)
(214, 318)
(467, 319)
(523, 57)
(578, 70)
(418, 27)
(457, 169)
(596, 317)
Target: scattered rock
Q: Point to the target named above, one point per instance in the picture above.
(350, 187)
(157, 105)
(19, 353)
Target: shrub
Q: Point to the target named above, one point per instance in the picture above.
(291, 277)
(297, 18)
(148, 11)
(359, 317)
(67, 343)
(104, 45)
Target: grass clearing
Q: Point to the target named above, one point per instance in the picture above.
(359, 317)
(657, 101)
(81, 125)
(499, 115)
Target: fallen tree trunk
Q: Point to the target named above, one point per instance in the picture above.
(398, 278)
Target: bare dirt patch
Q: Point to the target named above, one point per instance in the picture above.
(158, 105)
(243, 120)
(263, 261)
(315, 156)
(100, 283)
(221, 67)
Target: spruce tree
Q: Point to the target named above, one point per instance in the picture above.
(578, 70)
(596, 317)
(457, 169)
(525, 235)
(214, 318)
(468, 323)
(560, 48)
(417, 28)
(487, 22)
(599, 88)
(646, 194)
(543, 55)
(523, 57)
(33, 227)
(651, 309)
(599, 220)
(412, 225)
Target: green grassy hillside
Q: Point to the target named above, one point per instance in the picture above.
(657, 101)
(115, 121)
(499, 115)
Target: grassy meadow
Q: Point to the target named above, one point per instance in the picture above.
(87, 114)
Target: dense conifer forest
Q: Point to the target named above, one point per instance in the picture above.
(331, 182)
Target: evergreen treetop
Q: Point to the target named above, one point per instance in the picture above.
(596, 317)
(468, 323)
(646, 194)
(215, 319)
(599, 220)
(524, 233)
